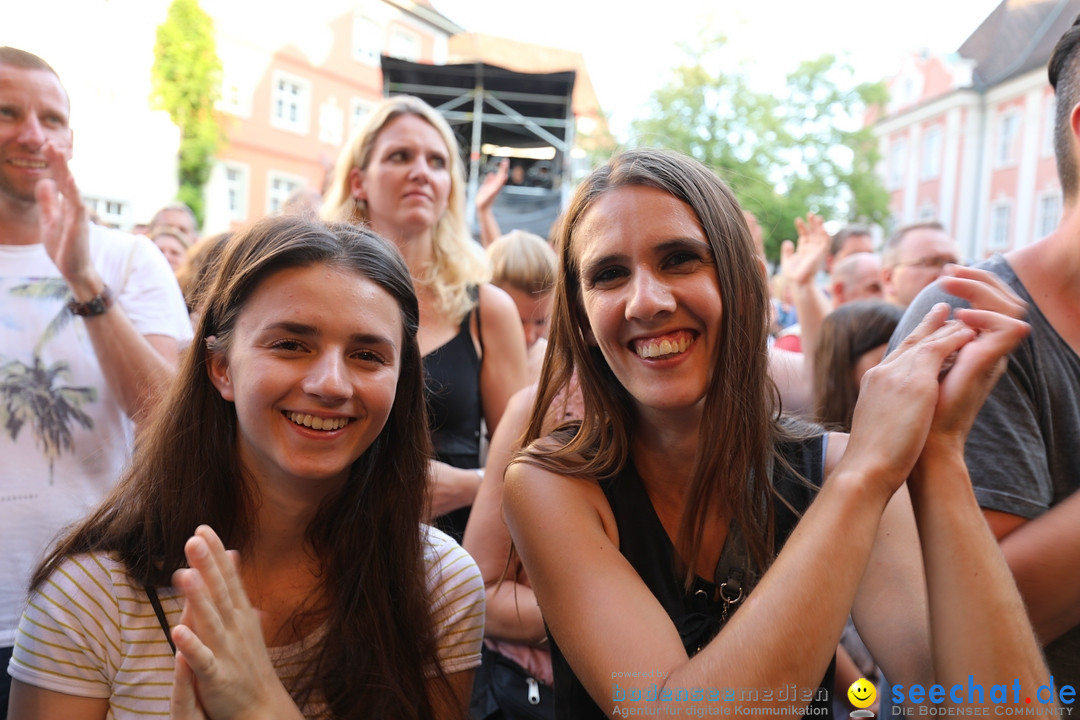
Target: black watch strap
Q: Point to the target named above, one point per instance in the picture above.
(94, 306)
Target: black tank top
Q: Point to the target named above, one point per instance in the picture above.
(700, 614)
(452, 391)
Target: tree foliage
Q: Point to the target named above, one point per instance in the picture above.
(186, 82)
(803, 150)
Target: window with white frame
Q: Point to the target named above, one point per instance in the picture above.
(367, 40)
(1048, 126)
(999, 226)
(331, 122)
(109, 211)
(232, 98)
(236, 191)
(1008, 130)
(931, 153)
(290, 105)
(279, 188)
(1049, 214)
(405, 44)
(897, 157)
(359, 109)
(927, 213)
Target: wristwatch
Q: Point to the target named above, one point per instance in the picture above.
(94, 306)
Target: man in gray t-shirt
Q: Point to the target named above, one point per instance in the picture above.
(1024, 449)
(1024, 457)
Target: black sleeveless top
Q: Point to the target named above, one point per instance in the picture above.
(700, 614)
(452, 391)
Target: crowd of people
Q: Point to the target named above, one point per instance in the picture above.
(349, 462)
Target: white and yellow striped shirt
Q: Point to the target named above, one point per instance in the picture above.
(89, 631)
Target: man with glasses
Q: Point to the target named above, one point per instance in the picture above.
(914, 258)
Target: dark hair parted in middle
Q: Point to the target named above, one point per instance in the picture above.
(373, 601)
(741, 407)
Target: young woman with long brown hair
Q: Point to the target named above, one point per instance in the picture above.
(296, 430)
(682, 539)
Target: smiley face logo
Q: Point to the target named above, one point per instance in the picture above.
(862, 693)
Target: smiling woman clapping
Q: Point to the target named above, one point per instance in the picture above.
(682, 536)
(296, 430)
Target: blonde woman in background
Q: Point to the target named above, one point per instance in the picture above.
(401, 174)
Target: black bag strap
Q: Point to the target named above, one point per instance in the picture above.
(151, 593)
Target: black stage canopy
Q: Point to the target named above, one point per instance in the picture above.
(514, 109)
(490, 105)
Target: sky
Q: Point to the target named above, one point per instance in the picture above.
(629, 45)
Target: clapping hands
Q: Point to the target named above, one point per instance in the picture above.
(223, 670)
(997, 317)
(65, 229)
(924, 396)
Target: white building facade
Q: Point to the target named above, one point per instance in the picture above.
(968, 139)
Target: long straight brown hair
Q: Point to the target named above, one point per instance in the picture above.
(380, 639)
(740, 424)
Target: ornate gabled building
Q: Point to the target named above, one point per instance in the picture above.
(967, 139)
(293, 90)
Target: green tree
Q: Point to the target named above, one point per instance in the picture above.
(783, 155)
(186, 82)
